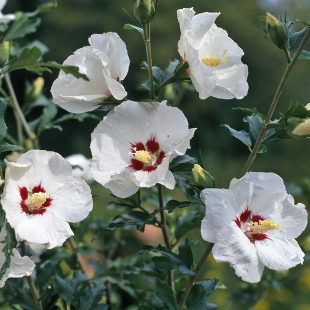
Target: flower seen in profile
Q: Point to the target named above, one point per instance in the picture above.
(5, 19)
(105, 62)
(41, 196)
(254, 224)
(20, 266)
(134, 144)
(214, 59)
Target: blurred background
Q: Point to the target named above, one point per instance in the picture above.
(67, 28)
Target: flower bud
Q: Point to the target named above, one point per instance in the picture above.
(34, 91)
(276, 31)
(298, 127)
(202, 177)
(4, 53)
(144, 11)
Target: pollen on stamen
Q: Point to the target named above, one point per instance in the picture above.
(37, 200)
(263, 226)
(212, 61)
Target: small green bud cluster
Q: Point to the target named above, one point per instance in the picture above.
(144, 10)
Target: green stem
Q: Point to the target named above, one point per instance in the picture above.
(272, 107)
(30, 282)
(147, 41)
(193, 278)
(164, 229)
(19, 114)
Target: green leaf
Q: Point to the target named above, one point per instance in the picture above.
(262, 149)
(188, 222)
(6, 147)
(241, 135)
(304, 55)
(303, 22)
(90, 298)
(183, 164)
(161, 77)
(198, 295)
(2, 218)
(64, 289)
(49, 112)
(23, 24)
(296, 38)
(3, 127)
(132, 27)
(253, 110)
(9, 244)
(185, 186)
(165, 294)
(185, 253)
(170, 260)
(173, 204)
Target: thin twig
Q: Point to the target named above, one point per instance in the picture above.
(30, 282)
(147, 40)
(19, 112)
(193, 278)
(272, 107)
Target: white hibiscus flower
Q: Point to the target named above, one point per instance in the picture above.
(5, 19)
(20, 266)
(80, 167)
(134, 144)
(41, 196)
(253, 224)
(105, 62)
(214, 59)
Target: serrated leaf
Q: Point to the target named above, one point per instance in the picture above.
(241, 135)
(296, 38)
(132, 27)
(170, 260)
(165, 294)
(304, 55)
(7, 147)
(10, 243)
(255, 124)
(185, 186)
(198, 296)
(3, 127)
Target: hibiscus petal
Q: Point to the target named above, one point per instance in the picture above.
(279, 254)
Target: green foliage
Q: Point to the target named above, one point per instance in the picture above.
(198, 295)
(132, 27)
(169, 260)
(296, 38)
(165, 293)
(7, 147)
(10, 243)
(241, 135)
(3, 127)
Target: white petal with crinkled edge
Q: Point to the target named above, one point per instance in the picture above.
(45, 228)
(122, 185)
(258, 190)
(221, 209)
(49, 169)
(111, 45)
(279, 254)
(19, 266)
(73, 201)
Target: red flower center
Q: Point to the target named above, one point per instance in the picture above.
(254, 225)
(34, 202)
(146, 157)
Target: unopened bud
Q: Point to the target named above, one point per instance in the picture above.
(4, 52)
(202, 177)
(298, 127)
(144, 11)
(308, 106)
(34, 91)
(276, 31)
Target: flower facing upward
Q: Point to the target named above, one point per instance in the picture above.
(105, 62)
(253, 224)
(5, 18)
(133, 145)
(41, 196)
(19, 266)
(214, 59)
